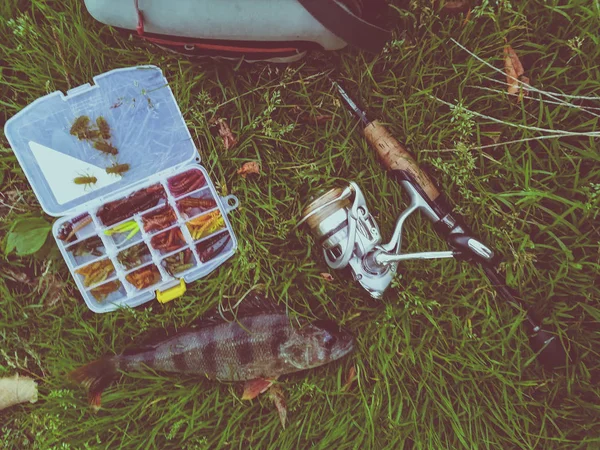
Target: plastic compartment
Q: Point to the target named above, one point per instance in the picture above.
(125, 208)
(210, 248)
(134, 256)
(96, 272)
(144, 277)
(196, 203)
(180, 262)
(86, 250)
(158, 219)
(108, 292)
(124, 233)
(185, 182)
(168, 241)
(205, 225)
(75, 229)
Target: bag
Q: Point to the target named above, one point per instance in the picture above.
(255, 30)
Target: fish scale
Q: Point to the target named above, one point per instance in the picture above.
(260, 344)
(230, 351)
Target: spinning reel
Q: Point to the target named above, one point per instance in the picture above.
(349, 235)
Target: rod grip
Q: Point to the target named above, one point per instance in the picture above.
(394, 156)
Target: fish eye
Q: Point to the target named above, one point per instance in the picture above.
(329, 340)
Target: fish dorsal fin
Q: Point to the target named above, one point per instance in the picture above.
(149, 340)
(252, 304)
(255, 303)
(152, 338)
(209, 320)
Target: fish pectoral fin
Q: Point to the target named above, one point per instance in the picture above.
(276, 395)
(253, 388)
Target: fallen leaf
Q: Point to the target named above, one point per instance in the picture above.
(17, 389)
(490, 134)
(514, 72)
(304, 117)
(248, 168)
(321, 118)
(276, 395)
(253, 388)
(456, 6)
(350, 378)
(14, 196)
(52, 288)
(18, 277)
(229, 140)
(467, 18)
(326, 276)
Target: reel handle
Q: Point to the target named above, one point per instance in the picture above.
(396, 157)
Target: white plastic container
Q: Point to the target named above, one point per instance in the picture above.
(149, 133)
(230, 20)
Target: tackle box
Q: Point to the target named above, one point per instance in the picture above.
(144, 231)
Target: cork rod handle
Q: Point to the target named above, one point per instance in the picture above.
(394, 156)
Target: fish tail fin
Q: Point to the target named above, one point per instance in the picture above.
(96, 376)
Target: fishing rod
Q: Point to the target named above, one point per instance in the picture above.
(350, 237)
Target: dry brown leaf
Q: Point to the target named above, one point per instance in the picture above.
(229, 140)
(490, 134)
(456, 6)
(253, 388)
(49, 285)
(320, 119)
(53, 287)
(248, 168)
(326, 276)
(467, 18)
(18, 277)
(15, 390)
(514, 72)
(304, 117)
(276, 395)
(350, 378)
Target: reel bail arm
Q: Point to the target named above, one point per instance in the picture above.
(391, 252)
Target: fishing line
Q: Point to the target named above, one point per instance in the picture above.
(529, 87)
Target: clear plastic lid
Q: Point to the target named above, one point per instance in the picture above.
(145, 126)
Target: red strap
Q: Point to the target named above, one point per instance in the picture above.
(140, 24)
(227, 48)
(140, 31)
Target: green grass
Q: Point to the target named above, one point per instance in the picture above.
(440, 363)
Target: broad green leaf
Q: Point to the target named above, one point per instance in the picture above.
(27, 236)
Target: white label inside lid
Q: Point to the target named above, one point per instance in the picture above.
(60, 170)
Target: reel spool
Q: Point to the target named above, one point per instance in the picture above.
(327, 217)
(347, 232)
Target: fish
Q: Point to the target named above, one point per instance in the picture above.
(259, 346)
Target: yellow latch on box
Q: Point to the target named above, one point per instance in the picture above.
(171, 293)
